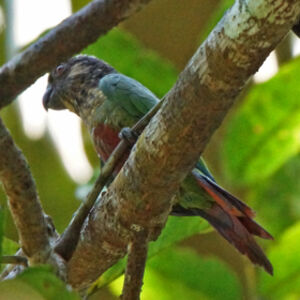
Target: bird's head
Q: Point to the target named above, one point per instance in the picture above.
(73, 84)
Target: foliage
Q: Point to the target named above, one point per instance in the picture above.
(176, 230)
(286, 282)
(37, 283)
(267, 126)
(188, 276)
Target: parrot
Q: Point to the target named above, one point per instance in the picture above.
(109, 102)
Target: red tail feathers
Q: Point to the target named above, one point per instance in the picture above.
(233, 220)
(238, 233)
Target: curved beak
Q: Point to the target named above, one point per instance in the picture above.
(51, 100)
(46, 98)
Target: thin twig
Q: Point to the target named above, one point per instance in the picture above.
(14, 260)
(67, 243)
(136, 262)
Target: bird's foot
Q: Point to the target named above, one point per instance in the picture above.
(129, 135)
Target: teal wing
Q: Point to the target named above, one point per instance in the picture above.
(137, 100)
(132, 96)
(201, 166)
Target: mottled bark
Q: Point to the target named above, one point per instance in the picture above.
(65, 40)
(23, 200)
(141, 195)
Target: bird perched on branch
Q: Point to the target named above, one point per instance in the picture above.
(107, 102)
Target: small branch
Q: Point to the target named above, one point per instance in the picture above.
(65, 40)
(69, 238)
(14, 260)
(23, 199)
(136, 262)
(284, 50)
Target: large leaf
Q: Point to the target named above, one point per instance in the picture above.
(35, 284)
(175, 230)
(180, 273)
(278, 198)
(285, 257)
(265, 131)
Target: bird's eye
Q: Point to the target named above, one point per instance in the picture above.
(59, 70)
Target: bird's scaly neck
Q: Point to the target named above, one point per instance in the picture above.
(88, 101)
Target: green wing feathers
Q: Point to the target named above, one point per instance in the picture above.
(132, 96)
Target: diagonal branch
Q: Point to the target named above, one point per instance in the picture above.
(23, 200)
(65, 40)
(68, 240)
(141, 195)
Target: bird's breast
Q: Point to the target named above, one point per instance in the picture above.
(105, 139)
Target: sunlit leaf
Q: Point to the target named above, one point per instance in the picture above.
(176, 230)
(265, 131)
(1, 229)
(9, 247)
(285, 258)
(36, 283)
(278, 197)
(181, 274)
(77, 4)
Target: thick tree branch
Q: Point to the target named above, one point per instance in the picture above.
(68, 38)
(23, 200)
(172, 142)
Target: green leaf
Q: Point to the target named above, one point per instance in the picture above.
(264, 133)
(175, 230)
(182, 274)
(216, 17)
(1, 229)
(9, 247)
(36, 283)
(78, 4)
(285, 284)
(278, 197)
(128, 56)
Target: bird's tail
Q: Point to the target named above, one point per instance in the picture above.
(233, 220)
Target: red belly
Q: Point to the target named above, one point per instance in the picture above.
(106, 140)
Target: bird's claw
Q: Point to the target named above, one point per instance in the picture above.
(129, 135)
